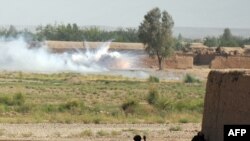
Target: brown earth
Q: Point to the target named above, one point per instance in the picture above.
(113, 45)
(98, 132)
(226, 102)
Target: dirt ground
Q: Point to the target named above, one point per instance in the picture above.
(98, 132)
(167, 75)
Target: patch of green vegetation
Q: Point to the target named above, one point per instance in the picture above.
(102, 133)
(191, 79)
(153, 79)
(175, 128)
(183, 120)
(153, 96)
(17, 99)
(129, 107)
(116, 133)
(86, 133)
(97, 99)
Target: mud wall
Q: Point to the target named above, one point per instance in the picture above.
(221, 62)
(203, 59)
(175, 62)
(226, 102)
(63, 45)
(180, 62)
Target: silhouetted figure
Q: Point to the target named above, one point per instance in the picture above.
(137, 138)
(199, 137)
(144, 138)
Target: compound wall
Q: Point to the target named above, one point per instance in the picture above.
(227, 62)
(174, 62)
(227, 101)
(203, 59)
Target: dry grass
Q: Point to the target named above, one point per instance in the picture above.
(26, 135)
(77, 98)
(2, 132)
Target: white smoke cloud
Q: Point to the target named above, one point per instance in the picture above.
(16, 55)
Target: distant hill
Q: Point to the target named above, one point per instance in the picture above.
(196, 32)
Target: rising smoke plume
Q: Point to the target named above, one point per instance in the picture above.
(17, 55)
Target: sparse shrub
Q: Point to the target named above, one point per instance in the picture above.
(115, 113)
(49, 108)
(134, 108)
(161, 103)
(116, 133)
(71, 105)
(191, 79)
(102, 133)
(97, 120)
(6, 101)
(23, 108)
(153, 79)
(129, 106)
(176, 128)
(153, 96)
(165, 104)
(86, 133)
(15, 103)
(26, 135)
(18, 99)
(183, 120)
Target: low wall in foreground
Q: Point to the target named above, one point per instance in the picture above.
(227, 101)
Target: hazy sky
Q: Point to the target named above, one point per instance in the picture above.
(126, 13)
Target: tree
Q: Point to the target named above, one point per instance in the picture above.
(227, 35)
(180, 38)
(227, 39)
(155, 32)
(179, 43)
(12, 32)
(211, 42)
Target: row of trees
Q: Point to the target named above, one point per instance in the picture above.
(226, 40)
(12, 32)
(72, 32)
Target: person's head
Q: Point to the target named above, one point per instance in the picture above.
(137, 138)
(200, 134)
(144, 138)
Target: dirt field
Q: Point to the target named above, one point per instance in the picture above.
(113, 45)
(28, 84)
(98, 132)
